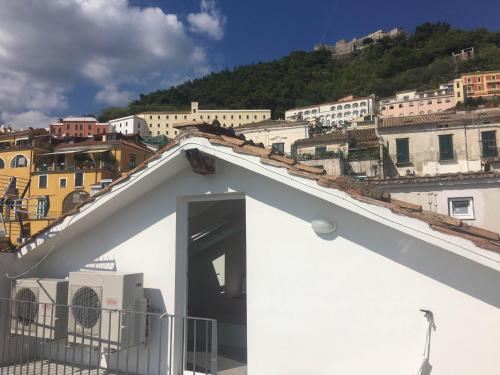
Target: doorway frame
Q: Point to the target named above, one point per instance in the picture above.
(181, 252)
(181, 256)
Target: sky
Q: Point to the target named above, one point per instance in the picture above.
(75, 57)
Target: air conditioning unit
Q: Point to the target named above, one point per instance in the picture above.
(106, 308)
(37, 308)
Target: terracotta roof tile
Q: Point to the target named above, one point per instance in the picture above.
(358, 190)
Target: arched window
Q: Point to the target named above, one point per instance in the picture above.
(355, 113)
(19, 161)
(2, 164)
(339, 115)
(347, 106)
(347, 113)
(332, 108)
(314, 111)
(362, 104)
(355, 105)
(339, 107)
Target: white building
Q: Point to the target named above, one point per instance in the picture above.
(335, 114)
(129, 125)
(302, 275)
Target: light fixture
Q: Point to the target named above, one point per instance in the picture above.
(321, 226)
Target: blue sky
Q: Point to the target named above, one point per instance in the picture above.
(78, 57)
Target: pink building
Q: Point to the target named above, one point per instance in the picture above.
(414, 103)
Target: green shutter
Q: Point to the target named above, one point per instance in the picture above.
(489, 143)
(402, 151)
(446, 147)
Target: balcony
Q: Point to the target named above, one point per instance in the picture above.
(359, 155)
(320, 155)
(82, 166)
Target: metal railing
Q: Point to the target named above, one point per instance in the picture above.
(48, 338)
(61, 167)
(320, 155)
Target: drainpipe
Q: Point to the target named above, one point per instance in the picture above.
(466, 145)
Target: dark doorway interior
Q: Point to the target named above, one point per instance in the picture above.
(217, 276)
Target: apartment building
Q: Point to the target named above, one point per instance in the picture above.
(413, 102)
(477, 85)
(161, 123)
(335, 114)
(129, 125)
(43, 177)
(78, 127)
(353, 152)
(278, 135)
(457, 142)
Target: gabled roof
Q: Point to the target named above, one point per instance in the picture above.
(442, 118)
(367, 135)
(441, 226)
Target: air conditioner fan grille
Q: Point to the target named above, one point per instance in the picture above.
(86, 307)
(25, 306)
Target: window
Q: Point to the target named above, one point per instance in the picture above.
(42, 207)
(63, 182)
(489, 144)
(132, 161)
(402, 150)
(446, 147)
(2, 164)
(19, 161)
(79, 179)
(278, 148)
(462, 208)
(480, 87)
(42, 181)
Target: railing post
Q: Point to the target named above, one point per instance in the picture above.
(213, 358)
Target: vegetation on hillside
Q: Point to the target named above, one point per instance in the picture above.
(420, 60)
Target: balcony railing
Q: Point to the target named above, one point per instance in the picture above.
(359, 155)
(320, 155)
(100, 165)
(47, 338)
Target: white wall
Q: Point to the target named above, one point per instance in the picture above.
(342, 304)
(485, 195)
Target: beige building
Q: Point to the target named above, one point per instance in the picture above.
(354, 152)
(161, 123)
(471, 197)
(278, 135)
(441, 143)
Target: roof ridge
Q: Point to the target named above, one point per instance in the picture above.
(356, 189)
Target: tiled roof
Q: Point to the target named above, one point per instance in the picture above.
(91, 143)
(359, 135)
(356, 189)
(442, 118)
(270, 123)
(25, 133)
(454, 177)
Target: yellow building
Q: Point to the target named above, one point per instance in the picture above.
(44, 178)
(161, 123)
(477, 85)
(18, 150)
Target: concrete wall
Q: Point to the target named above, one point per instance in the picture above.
(270, 135)
(434, 197)
(424, 148)
(346, 303)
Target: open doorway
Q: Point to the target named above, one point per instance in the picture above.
(217, 276)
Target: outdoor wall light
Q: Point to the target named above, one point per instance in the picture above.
(323, 226)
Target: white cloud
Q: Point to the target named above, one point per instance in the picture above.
(27, 119)
(49, 47)
(209, 21)
(112, 96)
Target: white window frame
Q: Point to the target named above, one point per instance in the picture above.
(65, 179)
(470, 215)
(46, 181)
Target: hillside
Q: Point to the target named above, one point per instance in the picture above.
(421, 60)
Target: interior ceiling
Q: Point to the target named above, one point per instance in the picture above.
(211, 222)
